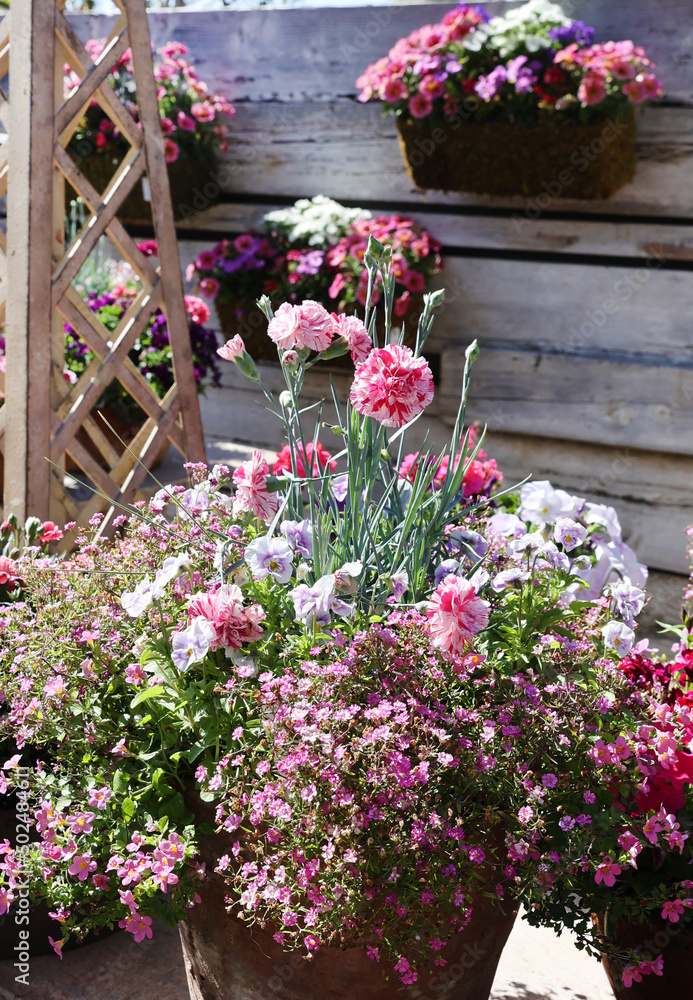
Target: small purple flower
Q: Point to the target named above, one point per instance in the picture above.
(488, 86)
(447, 567)
(578, 32)
(549, 780)
(453, 66)
(629, 599)
(514, 67)
(270, 557)
(311, 262)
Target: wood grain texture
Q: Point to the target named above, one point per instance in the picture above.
(626, 402)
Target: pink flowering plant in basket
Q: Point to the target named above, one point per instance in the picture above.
(362, 678)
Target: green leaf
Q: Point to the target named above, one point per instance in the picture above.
(129, 809)
(146, 694)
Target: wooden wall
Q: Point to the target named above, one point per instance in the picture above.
(584, 310)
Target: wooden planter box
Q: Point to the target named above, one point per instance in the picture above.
(563, 160)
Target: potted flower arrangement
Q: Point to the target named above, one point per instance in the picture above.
(516, 105)
(315, 717)
(109, 288)
(313, 250)
(192, 119)
(631, 866)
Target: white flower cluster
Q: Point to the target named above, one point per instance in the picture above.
(319, 221)
(527, 25)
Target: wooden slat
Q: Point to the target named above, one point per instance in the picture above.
(97, 73)
(627, 402)
(118, 114)
(324, 50)
(118, 189)
(516, 233)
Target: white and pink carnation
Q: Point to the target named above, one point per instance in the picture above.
(392, 386)
(455, 615)
(356, 335)
(252, 495)
(308, 325)
(233, 623)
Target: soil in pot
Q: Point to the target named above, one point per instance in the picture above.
(565, 159)
(673, 941)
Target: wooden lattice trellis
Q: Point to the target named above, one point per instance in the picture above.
(43, 415)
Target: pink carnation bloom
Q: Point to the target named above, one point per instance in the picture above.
(455, 615)
(355, 334)
(233, 623)
(308, 325)
(8, 570)
(251, 489)
(392, 386)
(232, 349)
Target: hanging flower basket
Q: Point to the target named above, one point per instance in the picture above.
(564, 159)
(673, 941)
(193, 122)
(190, 179)
(523, 105)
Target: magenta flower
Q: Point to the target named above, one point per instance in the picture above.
(203, 111)
(420, 105)
(392, 386)
(455, 615)
(82, 866)
(140, 927)
(672, 910)
(606, 872)
(308, 325)
(171, 150)
(185, 122)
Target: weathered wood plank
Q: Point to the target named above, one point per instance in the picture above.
(547, 235)
(626, 403)
(323, 51)
(350, 152)
(553, 305)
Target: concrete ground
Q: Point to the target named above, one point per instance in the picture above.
(536, 965)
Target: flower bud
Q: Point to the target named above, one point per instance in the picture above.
(232, 349)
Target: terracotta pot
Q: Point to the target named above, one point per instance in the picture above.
(674, 942)
(499, 158)
(191, 182)
(243, 316)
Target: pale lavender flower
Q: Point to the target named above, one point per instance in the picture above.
(630, 600)
(270, 557)
(399, 583)
(569, 533)
(619, 637)
(136, 601)
(507, 578)
(444, 569)
(192, 644)
(168, 572)
(299, 535)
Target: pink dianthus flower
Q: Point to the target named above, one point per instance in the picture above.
(392, 386)
(455, 614)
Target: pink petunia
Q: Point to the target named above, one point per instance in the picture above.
(392, 386)
(203, 111)
(185, 122)
(252, 495)
(209, 288)
(171, 150)
(308, 325)
(635, 91)
(455, 615)
(355, 334)
(592, 89)
(420, 105)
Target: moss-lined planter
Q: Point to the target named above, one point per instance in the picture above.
(564, 159)
(673, 941)
(192, 182)
(243, 316)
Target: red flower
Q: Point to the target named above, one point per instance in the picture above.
(8, 571)
(50, 532)
(318, 462)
